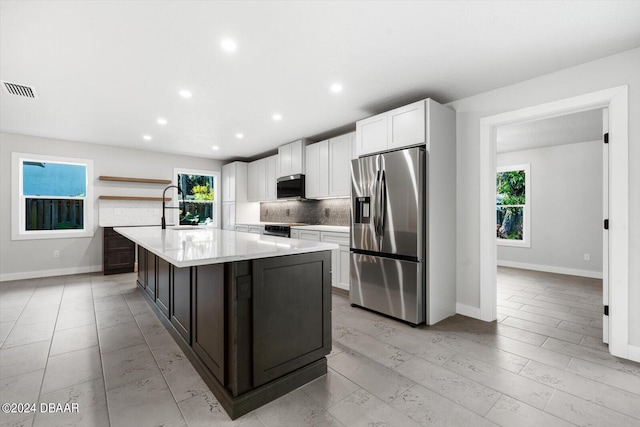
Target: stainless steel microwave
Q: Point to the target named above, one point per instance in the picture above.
(290, 187)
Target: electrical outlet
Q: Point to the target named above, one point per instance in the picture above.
(56, 253)
(587, 257)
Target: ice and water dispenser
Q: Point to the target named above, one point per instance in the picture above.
(362, 210)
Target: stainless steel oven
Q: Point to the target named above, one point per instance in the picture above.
(277, 230)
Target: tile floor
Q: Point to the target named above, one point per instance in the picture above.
(93, 340)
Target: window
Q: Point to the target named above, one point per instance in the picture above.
(199, 206)
(512, 206)
(51, 197)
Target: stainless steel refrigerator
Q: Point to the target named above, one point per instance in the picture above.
(388, 233)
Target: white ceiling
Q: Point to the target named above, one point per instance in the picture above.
(567, 129)
(106, 70)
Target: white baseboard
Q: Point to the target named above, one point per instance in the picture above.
(551, 269)
(49, 273)
(467, 310)
(634, 353)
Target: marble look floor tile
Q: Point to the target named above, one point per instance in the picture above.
(293, 410)
(581, 329)
(545, 331)
(532, 352)
(118, 316)
(430, 409)
(380, 381)
(183, 380)
(26, 358)
(592, 391)
(204, 410)
(454, 387)
(68, 369)
(329, 389)
(32, 315)
(489, 333)
(24, 421)
(111, 302)
(510, 412)
(489, 354)
(367, 325)
(583, 413)
(602, 374)
(76, 302)
(106, 290)
(596, 356)
(10, 314)
(532, 317)
(553, 314)
(127, 365)
(72, 339)
(92, 406)
(119, 336)
(594, 343)
(378, 351)
(23, 388)
(514, 385)
(22, 334)
(144, 402)
(424, 349)
(556, 306)
(5, 328)
(508, 304)
(75, 318)
(364, 409)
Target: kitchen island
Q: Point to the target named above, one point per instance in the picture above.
(252, 312)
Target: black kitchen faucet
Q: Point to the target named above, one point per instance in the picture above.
(164, 219)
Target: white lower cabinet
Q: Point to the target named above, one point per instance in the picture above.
(241, 227)
(339, 257)
(256, 229)
(228, 215)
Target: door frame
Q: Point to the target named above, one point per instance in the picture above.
(616, 101)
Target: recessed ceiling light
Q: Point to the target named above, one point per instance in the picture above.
(336, 88)
(215, 147)
(185, 93)
(229, 45)
(277, 117)
(239, 135)
(147, 137)
(162, 121)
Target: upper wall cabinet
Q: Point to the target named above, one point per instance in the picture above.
(262, 179)
(327, 164)
(234, 182)
(291, 158)
(402, 127)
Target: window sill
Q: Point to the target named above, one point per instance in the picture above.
(513, 243)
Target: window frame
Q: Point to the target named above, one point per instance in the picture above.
(217, 196)
(526, 211)
(18, 199)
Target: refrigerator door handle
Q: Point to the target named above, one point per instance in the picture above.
(383, 204)
(376, 207)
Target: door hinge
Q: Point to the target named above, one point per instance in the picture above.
(606, 310)
(606, 224)
(606, 138)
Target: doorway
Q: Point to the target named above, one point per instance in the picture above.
(615, 100)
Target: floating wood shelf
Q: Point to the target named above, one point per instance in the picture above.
(125, 179)
(152, 199)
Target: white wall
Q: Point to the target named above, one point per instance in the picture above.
(566, 209)
(616, 70)
(34, 258)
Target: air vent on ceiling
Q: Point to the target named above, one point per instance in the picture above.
(20, 90)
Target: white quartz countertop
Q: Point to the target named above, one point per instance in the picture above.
(191, 246)
(333, 228)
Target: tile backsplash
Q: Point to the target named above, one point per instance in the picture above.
(316, 212)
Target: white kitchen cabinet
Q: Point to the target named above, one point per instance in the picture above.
(309, 235)
(271, 177)
(328, 166)
(317, 170)
(340, 258)
(262, 180)
(242, 227)
(235, 204)
(256, 229)
(295, 234)
(291, 158)
(340, 149)
(228, 215)
(402, 127)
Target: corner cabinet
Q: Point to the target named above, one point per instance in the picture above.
(328, 167)
(402, 127)
(291, 158)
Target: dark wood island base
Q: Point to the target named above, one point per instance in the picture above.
(254, 330)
